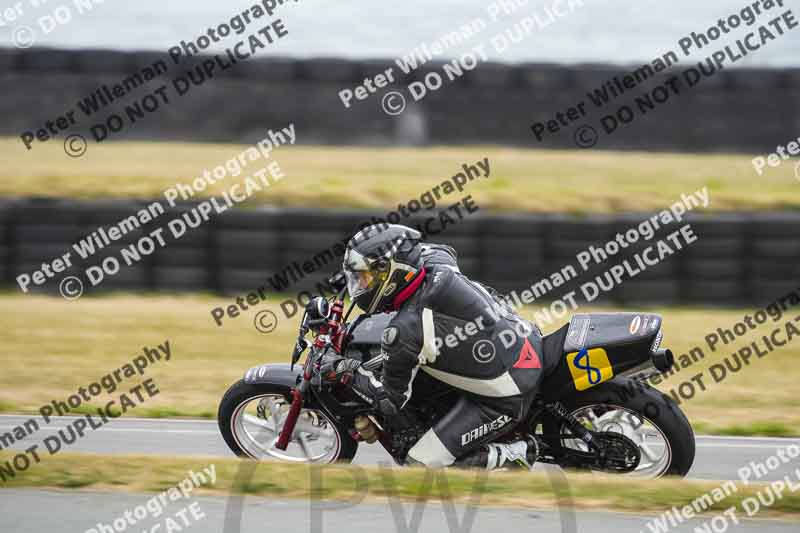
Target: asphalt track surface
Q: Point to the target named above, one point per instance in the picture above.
(717, 458)
(81, 511)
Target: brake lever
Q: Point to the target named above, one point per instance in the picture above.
(300, 346)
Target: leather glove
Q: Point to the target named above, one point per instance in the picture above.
(335, 369)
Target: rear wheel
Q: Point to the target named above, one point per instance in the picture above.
(648, 418)
(251, 418)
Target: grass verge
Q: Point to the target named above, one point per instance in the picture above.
(520, 179)
(761, 429)
(352, 483)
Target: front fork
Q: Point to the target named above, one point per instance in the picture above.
(298, 394)
(330, 331)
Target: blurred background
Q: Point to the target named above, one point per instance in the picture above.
(543, 202)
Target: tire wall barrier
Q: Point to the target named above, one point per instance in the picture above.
(740, 258)
(740, 110)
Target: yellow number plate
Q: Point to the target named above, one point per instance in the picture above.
(589, 367)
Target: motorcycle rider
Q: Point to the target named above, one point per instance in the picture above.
(452, 329)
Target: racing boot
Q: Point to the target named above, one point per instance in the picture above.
(521, 453)
(517, 454)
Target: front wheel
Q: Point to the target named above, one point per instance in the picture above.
(650, 419)
(251, 418)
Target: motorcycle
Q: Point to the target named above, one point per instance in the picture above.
(595, 410)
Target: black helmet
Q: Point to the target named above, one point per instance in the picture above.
(380, 261)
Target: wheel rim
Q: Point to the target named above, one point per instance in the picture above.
(257, 422)
(654, 446)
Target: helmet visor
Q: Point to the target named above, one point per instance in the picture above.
(359, 282)
(360, 278)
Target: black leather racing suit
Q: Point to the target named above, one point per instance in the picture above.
(454, 330)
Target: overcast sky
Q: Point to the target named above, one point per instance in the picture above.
(613, 31)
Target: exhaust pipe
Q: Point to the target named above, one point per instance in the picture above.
(663, 359)
(660, 361)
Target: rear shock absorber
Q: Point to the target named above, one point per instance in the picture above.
(558, 410)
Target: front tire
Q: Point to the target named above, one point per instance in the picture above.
(640, 412)
(251, 416)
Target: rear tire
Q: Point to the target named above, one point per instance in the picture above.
(646, 402)
(240, 394)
